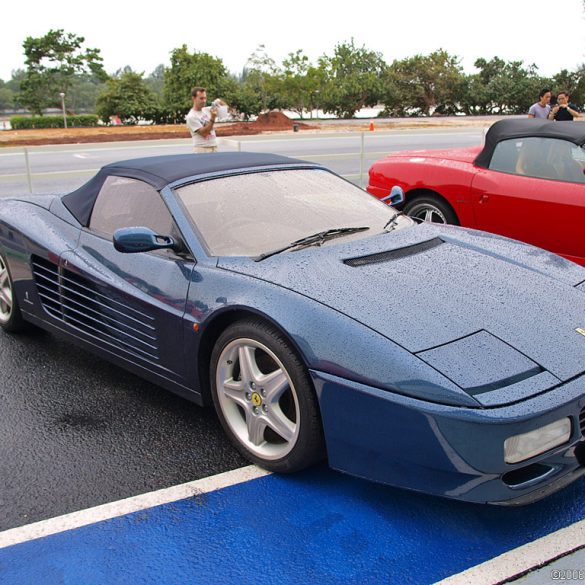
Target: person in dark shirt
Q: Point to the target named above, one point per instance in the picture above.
(564, 111)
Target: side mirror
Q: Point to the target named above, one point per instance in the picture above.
(396, 196)
(140, 239)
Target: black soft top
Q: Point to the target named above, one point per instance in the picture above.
(159, 171)
(525, 127)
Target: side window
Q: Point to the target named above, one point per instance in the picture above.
(124, 202)
(505, 156)
(544, 158)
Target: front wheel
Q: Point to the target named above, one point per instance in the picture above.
(265, 399)
(10, 317)
(432, 209)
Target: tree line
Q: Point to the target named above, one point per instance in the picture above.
(350, 78)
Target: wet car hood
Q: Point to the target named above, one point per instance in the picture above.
(427, 286)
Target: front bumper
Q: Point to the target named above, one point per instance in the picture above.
(445, 450)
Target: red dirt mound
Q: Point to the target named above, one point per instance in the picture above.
(265, 122)
(276, 121)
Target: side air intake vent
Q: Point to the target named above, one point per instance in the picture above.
(392, 255)
(74, 300)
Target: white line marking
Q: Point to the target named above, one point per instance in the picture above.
(355, 136)
(49, 148)
(529, 556)
(129, 505)
(50, 173)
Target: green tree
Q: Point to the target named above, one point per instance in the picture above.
(352, 79)
(423, 84)
(6, 97)
(572, 82)
(502, 87)
(246, 99)
(578, 91)
(156, 81)
(126, 96)
(301, 83)
(264, 77)
(197, 69)
(52, 61)
(83, 93)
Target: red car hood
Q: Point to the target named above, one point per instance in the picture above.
(458, 154)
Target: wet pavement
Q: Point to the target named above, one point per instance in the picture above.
(76, 432)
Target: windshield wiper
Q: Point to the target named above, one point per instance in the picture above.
(391, 223)
(313, 240)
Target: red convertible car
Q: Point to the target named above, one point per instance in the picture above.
(526, 182)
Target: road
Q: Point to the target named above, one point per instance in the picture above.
(66, 167)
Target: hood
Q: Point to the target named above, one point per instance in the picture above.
(428, 286)
(468, 154)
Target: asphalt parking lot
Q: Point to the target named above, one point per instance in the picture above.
(76, 432)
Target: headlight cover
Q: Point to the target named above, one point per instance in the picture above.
(521, 447)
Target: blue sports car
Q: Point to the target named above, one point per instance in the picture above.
(318, 320)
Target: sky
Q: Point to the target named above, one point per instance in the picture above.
(550, 35)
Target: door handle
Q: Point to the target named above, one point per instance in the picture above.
(484, 198)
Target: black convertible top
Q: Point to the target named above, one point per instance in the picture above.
(159, 171)
(525, 127)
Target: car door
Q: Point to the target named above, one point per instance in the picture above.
(530, 194)
(130, 305)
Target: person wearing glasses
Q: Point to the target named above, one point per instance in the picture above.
(564, 111)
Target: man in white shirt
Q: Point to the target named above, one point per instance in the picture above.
(200, 121)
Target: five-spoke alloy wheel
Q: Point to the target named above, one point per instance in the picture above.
(432, 209)
(264, 398)
(10, 317)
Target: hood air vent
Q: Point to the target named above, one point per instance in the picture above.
(391, 255)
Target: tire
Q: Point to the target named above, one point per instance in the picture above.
(265, 399)
(431, 208)
(10, 317)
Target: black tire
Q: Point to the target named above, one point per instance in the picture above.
(431, 208)
(265, 399)
(10, 316)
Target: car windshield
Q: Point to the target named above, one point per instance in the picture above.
(256, 213)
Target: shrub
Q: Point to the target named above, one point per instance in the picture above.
(30, 122)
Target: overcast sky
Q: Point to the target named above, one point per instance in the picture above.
(551, 35)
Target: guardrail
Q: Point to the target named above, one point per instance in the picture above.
(240, 145)
(361, 178)
(363, 151)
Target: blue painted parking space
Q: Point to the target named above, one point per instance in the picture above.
(315, 527)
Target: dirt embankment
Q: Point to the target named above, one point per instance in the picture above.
(270, 122)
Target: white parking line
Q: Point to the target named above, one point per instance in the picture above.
(129, 505)
(524, 558)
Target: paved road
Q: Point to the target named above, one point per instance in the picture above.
(66, 167)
